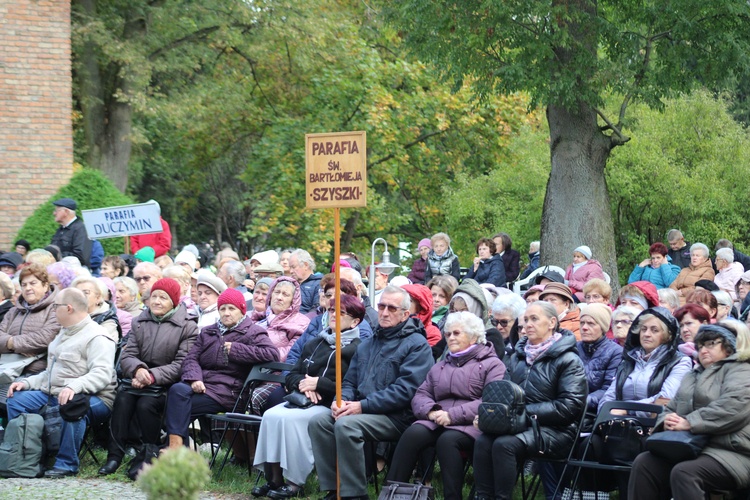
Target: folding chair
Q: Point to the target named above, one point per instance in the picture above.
(239, 419)
(604, 415)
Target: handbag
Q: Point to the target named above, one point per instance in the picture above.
(13, 364)
(677, 446)
(623, 439)
(394, 490)
(152, 390)
(503, 409)
(53, 423)
(296, 399)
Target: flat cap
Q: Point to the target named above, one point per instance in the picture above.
(68, 203)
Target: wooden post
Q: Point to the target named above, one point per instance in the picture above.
(337, 274)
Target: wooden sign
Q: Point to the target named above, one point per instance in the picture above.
(336, 170)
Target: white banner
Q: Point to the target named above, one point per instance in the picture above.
(112, 222)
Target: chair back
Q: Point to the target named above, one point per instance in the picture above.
(261, 373)
(605, 414)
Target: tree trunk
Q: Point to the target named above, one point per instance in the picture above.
(576, 206)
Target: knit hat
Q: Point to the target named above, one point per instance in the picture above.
(234, 297)
(557, 289)
(145, 254)
(185, 257)
(264, 281)
(583, 250)
(716, 331)
(24, 244)
(170, 287)
(209, 279)
(601, 313)
(424, 242)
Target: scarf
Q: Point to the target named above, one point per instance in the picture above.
(346, 337)
(576, 267)
(164, 318)
(439, 313)
(534, 351)
(461, 353)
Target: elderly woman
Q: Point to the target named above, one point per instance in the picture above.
(183, 277)
(597, 291)
(724, 304)
(285, 324)
(61, 274)
(260, 295)
(158, 343)
(126, 295)
(652, 367)
(546, 364)
(30, 326)
(658, 269)
(743, 297)
(669, 299)
(714, 400)
(442, 288)
(532, 294)
(216, 367)
(447, 402)
(511, 258)
(441, 261)
(691, 317)
(730, 271)
(6, 295)
(640, 294)
(284, 448)
(622, 318)
(568, 314)
(488, 266)
(506, 309)
(600, 355)
(113, 266)
(209, 288)
(100, 310)
(471, 297)
(700, 268)
(583, 269)
(705, 299)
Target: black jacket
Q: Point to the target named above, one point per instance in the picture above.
(309, 290)
(490, 271)
(680, 257)
(74, 241)
(512, 260)
(555, 390)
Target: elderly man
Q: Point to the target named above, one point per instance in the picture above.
(534, 256)
(146, 274)
(80, 373)
(71, 237)
(382, 378)
(233, 274)
(679, 249)
(302, 268)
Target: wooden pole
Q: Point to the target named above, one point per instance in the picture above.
(337, 313)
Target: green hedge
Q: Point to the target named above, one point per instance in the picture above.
(90, 189)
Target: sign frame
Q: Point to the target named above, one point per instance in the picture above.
(336, 170)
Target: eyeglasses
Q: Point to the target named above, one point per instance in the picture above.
(55, 306)
(619, 322)
(391, 308)
(455, 333)
(142, 278)
(332, 311)
(502, 322)
(709, 344)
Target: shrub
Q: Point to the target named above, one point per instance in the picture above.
(90, 189)
(178, 474)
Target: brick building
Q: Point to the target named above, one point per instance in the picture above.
(36, 137)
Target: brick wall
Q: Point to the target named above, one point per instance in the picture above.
(36, 138)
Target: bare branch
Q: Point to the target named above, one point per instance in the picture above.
(622, 139)
(255, 77)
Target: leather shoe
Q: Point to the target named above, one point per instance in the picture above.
(109, 468)
(59, 473)
(286, 491)
(262, 491)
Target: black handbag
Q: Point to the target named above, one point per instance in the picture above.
(623, 439)
(152, 390)
(394, 490)
(146, 455)
(53, 423)
(296, 399)
(503, 409)
(677, 446)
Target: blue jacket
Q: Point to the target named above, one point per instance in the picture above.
(490, 270)
(310, 293)
(661, 277)
(600, 361)
(387, 370)
(312, 331)
(533, 265)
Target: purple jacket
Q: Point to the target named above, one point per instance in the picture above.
(223, 374)
(417, 271)
(455, 385)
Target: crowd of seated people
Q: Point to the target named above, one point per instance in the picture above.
(176, 340)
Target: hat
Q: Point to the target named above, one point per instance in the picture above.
(724, 333)
(707, 285)
(13, 259)
(560, 289)
(234, 297)
(68, 203)
(186, 257)
(400, 280)
(146, 254)
(76, 408)
(209, 279)
(267, 257)
(192, 249)
(583, 250)
(270, 268)
(424, 242)
(129, 260)
(550, 275)
(601, 313)
(264, 281)
(24, 244)
(170, 287)
(535, 288)
(55, 251)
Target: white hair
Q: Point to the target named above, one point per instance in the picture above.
(726, 254)
(469, 323)
(699, 246)
(534, 246)
(509, 303)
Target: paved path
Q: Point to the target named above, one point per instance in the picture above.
(79, 489)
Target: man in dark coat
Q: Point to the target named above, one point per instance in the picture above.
(679, 249)
(71, 237)
(377, 391)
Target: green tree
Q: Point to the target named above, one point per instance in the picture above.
(569, 54)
